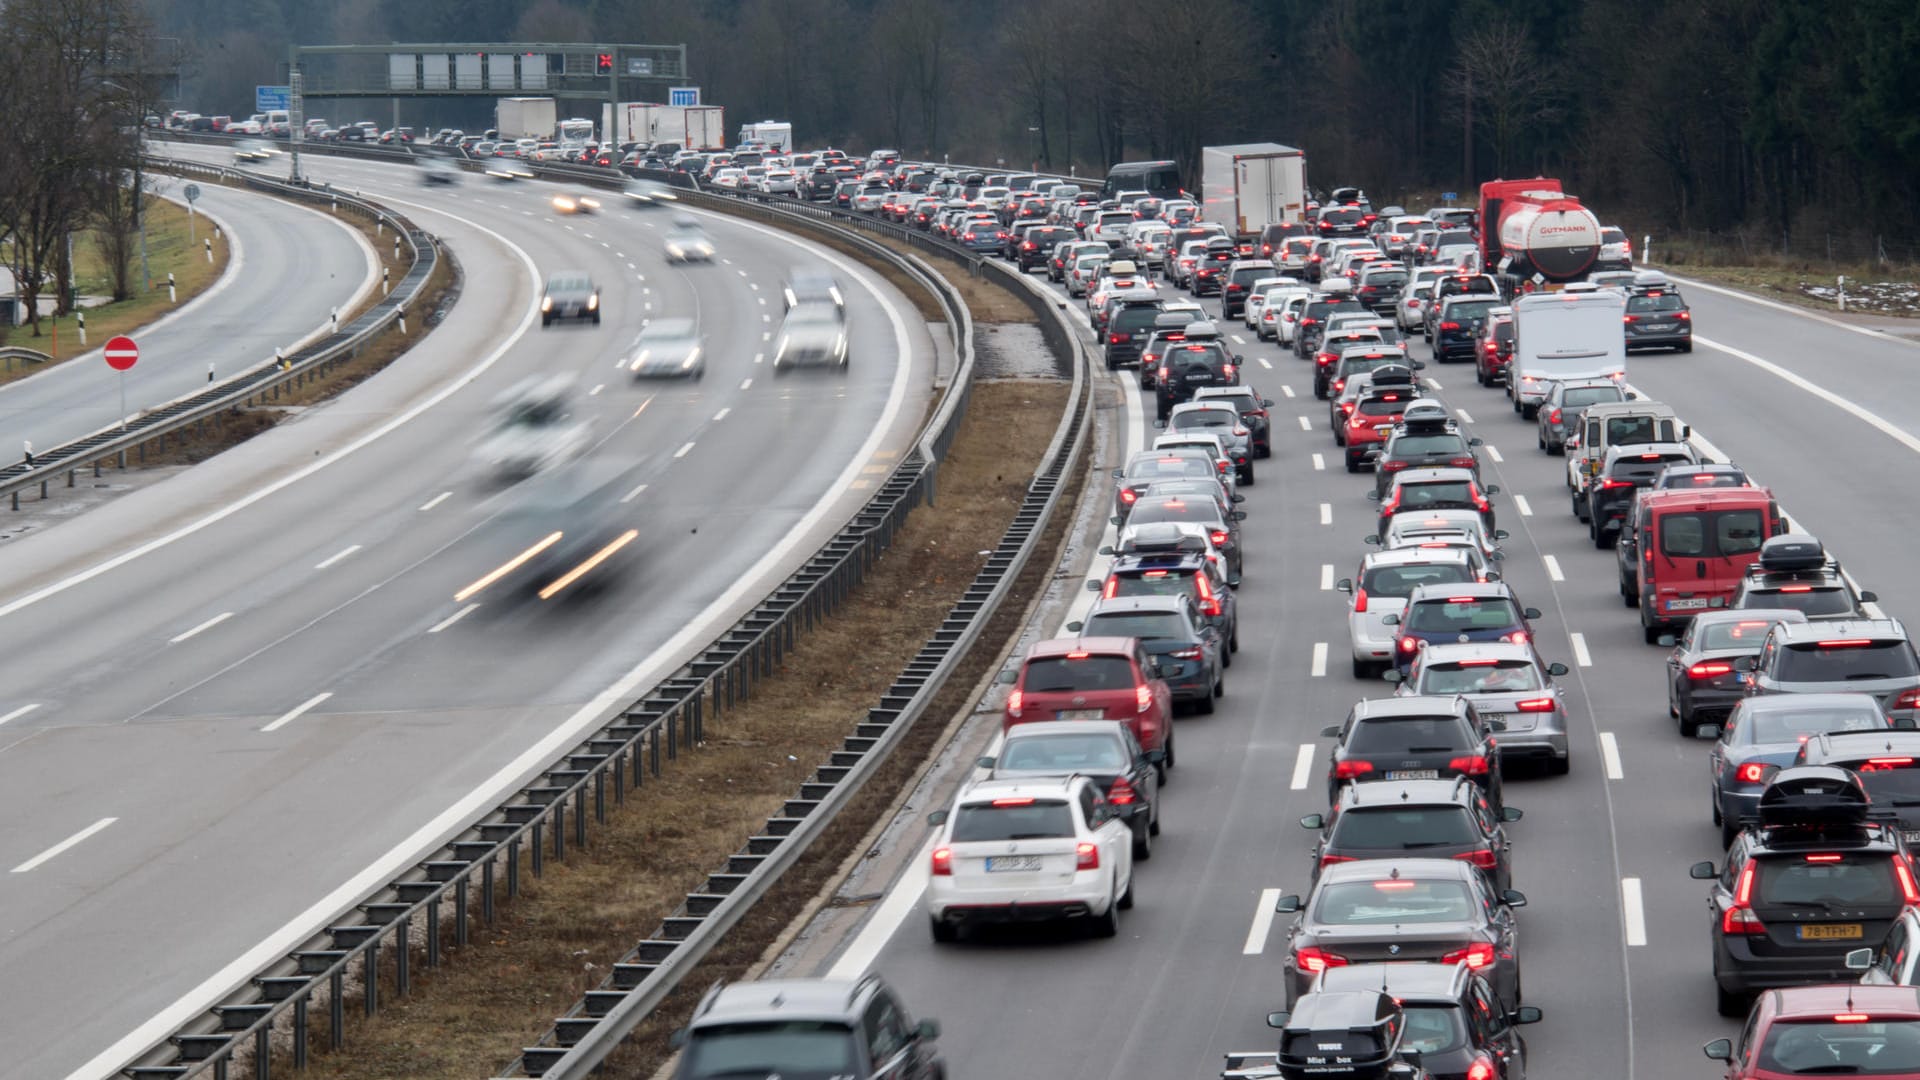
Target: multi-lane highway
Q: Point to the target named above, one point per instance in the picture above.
(1614, 941)
(241, 698)
(289, 268)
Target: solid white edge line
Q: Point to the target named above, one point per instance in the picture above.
(336, 556)
(1319, 463)
(57, 849)
(1521, 504)
(1610, 756)
(453, 618)
(1262, 923)
(1580, 654)
(435, 501)
(19, 712)
(1326, 513)
(1695, 283)
(297, 711)
(1874, 420)
(205, 626)
(893, 911)
(1633, 909)
(1553, 568)
(1319, 669)
(1302, 768)
(1326, 577)
(490, 791)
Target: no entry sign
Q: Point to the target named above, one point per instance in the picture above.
(121, 353)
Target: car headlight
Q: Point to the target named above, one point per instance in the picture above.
(593, 302)
(562, 204)
(692, 359)
(840, 345)
(674, 250)
(590, 204)
(546, 303)
(782, 350)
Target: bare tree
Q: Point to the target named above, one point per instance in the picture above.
(1502, 86)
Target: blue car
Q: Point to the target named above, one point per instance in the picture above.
(982, 236)
(1477, 611)
(1764, 734)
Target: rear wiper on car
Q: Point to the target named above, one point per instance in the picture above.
(1034, 836)
(1429, 750)
(1858, 675)
(1827, 1070)
(1417, 844)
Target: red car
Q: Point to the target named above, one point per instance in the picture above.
(1367, 424)
(1826, 1030)
(1495, 350)
(1094, 678)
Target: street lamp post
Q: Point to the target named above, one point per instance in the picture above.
(1037, 148)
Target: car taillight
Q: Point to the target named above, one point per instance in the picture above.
(1475, 956)
(1613, 485)
(1219, 538)
(1016, 700)
(1087, 857)
(1392, 466)
(1351, 770)
(1542, 704)
(1112, 589)
(1908, 699)
(1708, 669)
(1461, 462)
(1481, 1069)
(1185, 654)
(1227, 370)
(1740, 917)
(1121, 793)
(1752, 772)
(1209, 603)
(1329, 860)
(1323, 359)
(1552, 417)
(1469, 765)
(1313, 960)
(1339, 385)
(942, 862)
(1119, 337)
(1518, 637)
(1360, 601)
(1408, 645)
(1449, 325)
(1142, 698)
(1907, 889)
(1683, 316)
(1163, 372)
(1483, 858)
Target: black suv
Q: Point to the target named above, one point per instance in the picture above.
(1444, 819)
(1210, 272)
(1795, 571)
(1658, 318)
(1817, 874)
(1128, 328)
(1343, 221)
(1456, 325)
(1423, 440)
(1038, 243)
(1178, 573)
(1610, 496)
(1419, 737)
(855, 1029)
(1353, 1034)
(1455, 1022)
(1313, 320)
(1240, 278)
(1187, 367)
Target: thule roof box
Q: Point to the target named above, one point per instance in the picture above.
(1814, 795)
(1792, 552)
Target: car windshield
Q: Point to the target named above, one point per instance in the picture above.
(1433, 1029)
(1168, 508)
(1797, 724)
(1408, 734)
(1068, 674)
(1400, 581)
(1710, 533)
(1089, 752)
(1847, 660)
(1479, 677)
(1844, 880)
(1462, 614)
(1012, 819)
(795, 1047)
(1165, 625)
(1391, 901)
(1468, 309)
(1578, 396)
(1831, 1047)
(1408, 827)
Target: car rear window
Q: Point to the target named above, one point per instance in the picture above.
(1846, 661)
(1385, 279)
(1646, 303)
(1833, 1048)
(1434, 1029)
(1796, 724)
(1394, 900)
(1454, 616)
(1091, 752)
(1134, 317)
(1479, 677)
(1812, 599)
(1641, 469)
(1448, 494)
(1152, 583)
(1012, 819)
(1400, 581)
(1591, 395)
(1407, 827)
(1746, 634)
(1140, 624)
(1409, 734)
(1468, 309)
(1148, 511)
(1061, 674)
(1410, 445)
(1203, 419)
(1711, 533)
(1116, 219)
(1837, 880)
(1387, 405)
(809, 1047)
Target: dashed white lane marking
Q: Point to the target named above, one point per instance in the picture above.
(630, 266)
(19, 712)
(1521, 504)
(1634, 910)
(768, 336)
(634, 494)
(1319, 670)
(435, 501)
(63, 845)
(1285, 390)
(766, 318)
(1493, 452)
(336, 556)
(722, 414)
(297, 711)
(1237, 339)
(595, 392)
(682, 452)
(763, 301)
(1326, 513)
(1580, 654)
(744, 383)
(451, 619)
(1610, 756)
(1319, 463)
(754, 285)
(1464, 417)
(1302, 767)
(1326, 577)
(1262, 923)
(1433, 384)
(203, 627)
(1553, 568)
(1306, 424)
(1268, 364)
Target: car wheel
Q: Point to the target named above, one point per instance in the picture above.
(1630, 597)
(1579, 510)
(596, 318)
(1204, 706)
(1168, 764)
(1716, 813)
(1339, 436)
(1154, 825)
(1734, 1006)
(1220, 685)
(1686, 346)
(1555, 449)
(1226, 658)
(1233, 639)
(1362, 669)
(1143, 843)
(1352, 465)
(1651, 634)
(1246, 476)
(1540, 438)
(1529, 412)
(943, 933)
(1125, 902)
(1560, 766)
(1107, 924)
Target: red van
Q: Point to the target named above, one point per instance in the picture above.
(1685, 550)
(1094, 678)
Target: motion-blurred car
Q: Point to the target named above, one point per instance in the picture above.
(669, 347)
(570, 294)
(687, 242)
(437, 170)
(810, 284)
(648, 193)
(575, 204)
(813, 333)
(533, 428)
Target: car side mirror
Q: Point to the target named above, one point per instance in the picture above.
(678, 1039)
(1331, 731)
(1108, 549)
(1869, 597)
(1531, 613)
(1373, 539)
(1237, 498)
(1702, 871)
(1493, 489)
(985, 761)
(927, 1029)
(1119, 474)
(1719, 1049)
(1514, 898)
(1344, 585)
(1859, 959)
(1511, 813)
(1373, 496)
(1238, 515)
(1527, 1014)
(1500, 534)
(1391, 620)
(1556, 669)
(938, 817)
(1159, 423)
(1278, 1019)
(1238, 359)
(1115, 519)
(1287, 904)
(1392, 675)
(1266, 403)
(1093, 584)
(1155, 757)
(1076, 626)
(1476, 441)
(1497, 556)
(1666, 641)
(1314, 821)
(1419, 365)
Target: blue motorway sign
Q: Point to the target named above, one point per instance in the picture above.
(683, 95)
(266, 98)
(1449, 195)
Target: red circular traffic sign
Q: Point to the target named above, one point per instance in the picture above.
(121, 353)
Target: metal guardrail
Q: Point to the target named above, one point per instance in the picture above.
(278, 1002)
(256, 383)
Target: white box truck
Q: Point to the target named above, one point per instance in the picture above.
(706, 128)
(777, 134)
(1576, 333)
(696, 127)
(526, 118)
(1248, 186)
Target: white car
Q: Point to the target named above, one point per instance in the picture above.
(1407, 530)
(669, 347)
(1279, 305)
(1410, 310)
(688, 242)
(1215, 447)
(1035, 847)
(779, 182)
(731, 179)
(1257, 297)
(868, 200)
(1380, 589)
(533, 429)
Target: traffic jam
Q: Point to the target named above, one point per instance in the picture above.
(1401, 948)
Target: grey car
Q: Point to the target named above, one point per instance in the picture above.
(1190, 653)
(1204, 512)
(669, 348)
(1506, 682)
(1404, 910)
(570, 294)
(1863, 656)
(1703, 684)
(1104, 751)
(1566, 402)
(1150, 466)
(1217, 419)
(813, 332)
(850, 1029)
(1764, 734)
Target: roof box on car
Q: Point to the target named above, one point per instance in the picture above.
(1793, 552)
(1814, 795)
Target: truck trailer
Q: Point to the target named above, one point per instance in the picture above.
(1248, 186)
(526, 118)
(694, 127)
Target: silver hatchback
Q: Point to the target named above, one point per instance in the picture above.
(1380, 589)
(1508, 684)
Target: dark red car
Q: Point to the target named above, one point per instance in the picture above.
(1833, 1030)
(1494, 351)
(1094, 678)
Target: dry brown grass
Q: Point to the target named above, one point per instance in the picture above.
(469, 1017)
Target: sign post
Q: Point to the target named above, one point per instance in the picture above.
(121, 354)
(192, 192)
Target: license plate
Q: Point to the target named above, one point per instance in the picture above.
(1499, 716)
(998, 863)
(1913, 837)
(1414, 774)
(1080, 714)
(1659, 326)
(1693, 604)
(1829, 931)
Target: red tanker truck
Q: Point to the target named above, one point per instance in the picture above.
(1531, 227)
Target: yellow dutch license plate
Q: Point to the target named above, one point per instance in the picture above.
(1830, 931)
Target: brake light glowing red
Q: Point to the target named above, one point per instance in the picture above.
(1329, 860)
(1481, 1069)
(1544, 704)
(1121, 793)
(1014, 801)
(1360, 600)
(1313, 960)
(1086, 857)
(1908, 891)
(1142, 698)
(942, 862)
(1351, 770)
(1470, 765)
(1016, 701)
(1709, 669)
(1483, 858)
(1475, 956)
(1851, 1018)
